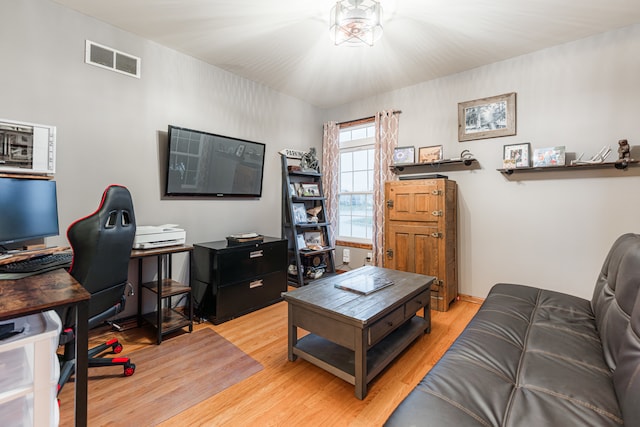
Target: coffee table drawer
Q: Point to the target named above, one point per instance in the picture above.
(416, 303)
(386, 325)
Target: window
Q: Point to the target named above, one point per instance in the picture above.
(355, 198)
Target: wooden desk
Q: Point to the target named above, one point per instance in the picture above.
(49, 291)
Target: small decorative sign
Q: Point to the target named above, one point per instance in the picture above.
(291, 153)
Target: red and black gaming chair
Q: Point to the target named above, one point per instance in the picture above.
(101, 244)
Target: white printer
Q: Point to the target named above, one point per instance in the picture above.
(158, 236)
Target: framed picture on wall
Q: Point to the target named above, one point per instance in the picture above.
(430, 154)
(516, 155)
(487, 117)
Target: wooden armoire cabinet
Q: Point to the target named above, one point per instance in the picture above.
(420, 233)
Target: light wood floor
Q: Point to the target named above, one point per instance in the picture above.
(297, 393)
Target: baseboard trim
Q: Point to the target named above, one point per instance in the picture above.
(469, 298)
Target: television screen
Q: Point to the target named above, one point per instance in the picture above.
(28, 209)
(205, 164)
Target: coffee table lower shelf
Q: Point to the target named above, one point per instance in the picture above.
(339, 360)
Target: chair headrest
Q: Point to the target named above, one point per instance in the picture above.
(102, 241)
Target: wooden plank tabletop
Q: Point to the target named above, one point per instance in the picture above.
(324, 296)
(41, 292)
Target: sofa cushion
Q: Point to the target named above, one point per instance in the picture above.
(529, 357)
(627, 375)
(615, 293)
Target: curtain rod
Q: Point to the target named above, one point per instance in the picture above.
(363, 120)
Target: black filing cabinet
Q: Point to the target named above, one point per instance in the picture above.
(229, 281)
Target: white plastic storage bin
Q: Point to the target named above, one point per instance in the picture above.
(29, 372)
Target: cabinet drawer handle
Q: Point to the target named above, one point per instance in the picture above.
(255, 254)
(255, 284)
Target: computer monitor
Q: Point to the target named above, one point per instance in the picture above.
(28, 210)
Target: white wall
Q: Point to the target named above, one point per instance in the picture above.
(111, 127)
(550, 229)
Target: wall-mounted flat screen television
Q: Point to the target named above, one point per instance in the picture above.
(209, 165)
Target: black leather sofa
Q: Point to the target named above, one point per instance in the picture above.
(534, 357)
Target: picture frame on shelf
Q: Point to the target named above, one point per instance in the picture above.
(549, 156)
(404, 155)
(516, 155)
(430, 154)
(299, 213)
(301, 243)
(292, 190)
(490, 117)
(310, 189)
(314, 238)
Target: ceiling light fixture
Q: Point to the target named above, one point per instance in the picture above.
(356, 22)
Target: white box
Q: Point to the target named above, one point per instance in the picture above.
(30, 372)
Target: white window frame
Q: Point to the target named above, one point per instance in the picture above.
(367, 143)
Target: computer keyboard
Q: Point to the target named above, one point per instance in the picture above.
(39, 264)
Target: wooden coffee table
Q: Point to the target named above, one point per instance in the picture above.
(356, 336)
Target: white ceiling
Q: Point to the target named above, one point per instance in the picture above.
(284, 44)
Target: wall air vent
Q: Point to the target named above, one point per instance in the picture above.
(111, 59)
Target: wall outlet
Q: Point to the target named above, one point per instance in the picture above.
(346, 254)
(368, 259)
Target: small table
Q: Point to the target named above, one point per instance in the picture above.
(48, 291)
(355, 336)
(164, 319)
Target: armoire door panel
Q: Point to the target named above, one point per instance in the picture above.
(426, 258)
(425, 203)
(414, 248)
(402, 249)
(402, 203)
(410, 202)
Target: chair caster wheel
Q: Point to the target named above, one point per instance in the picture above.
(116, 348)
(129, 369)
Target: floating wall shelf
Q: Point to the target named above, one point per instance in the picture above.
(431, 167)
(621, 165)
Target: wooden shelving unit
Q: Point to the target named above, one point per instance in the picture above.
(303, 262)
